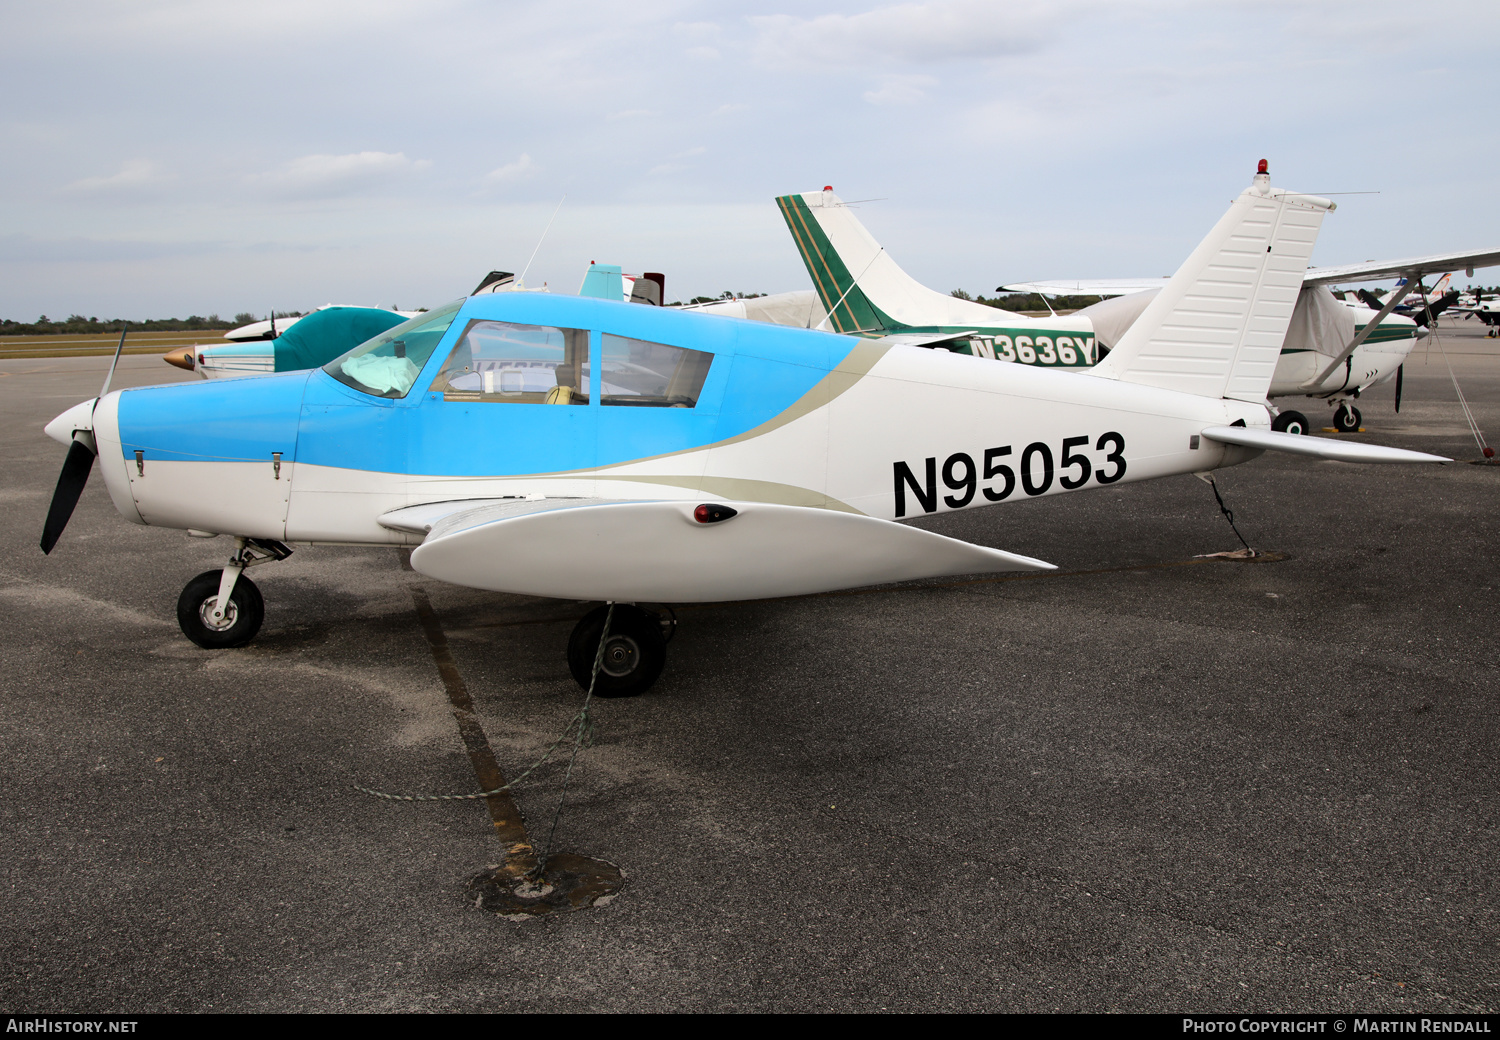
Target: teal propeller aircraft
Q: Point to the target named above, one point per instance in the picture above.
(590, 449)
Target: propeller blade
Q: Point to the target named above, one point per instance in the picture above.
(75, 474)
(1443, 304)
(1400, 372)
(110, 376)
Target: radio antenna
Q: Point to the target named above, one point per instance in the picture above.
(521, 280)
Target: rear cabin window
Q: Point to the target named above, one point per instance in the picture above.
(499, 362)
(642, 374)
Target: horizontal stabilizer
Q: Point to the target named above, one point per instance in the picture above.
(923, 339)
(657, 552)
(1317, 447)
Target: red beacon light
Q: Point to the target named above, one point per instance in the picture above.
(712, 514)
(1263, 167)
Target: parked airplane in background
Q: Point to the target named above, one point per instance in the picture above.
(310, 341)
(1484, 306)
(720, 459)
(1416, 300)
(1421, 306)
(607, 282)
(1329, 352)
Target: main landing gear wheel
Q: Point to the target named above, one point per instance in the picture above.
(1289, 422)
(1346, 419)
(240, 622)
(634, 652)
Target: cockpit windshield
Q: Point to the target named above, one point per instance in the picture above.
(389, 364)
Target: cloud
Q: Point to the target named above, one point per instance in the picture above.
(18, 248)
(334, 176)
(631, 113)
(518, 170)
(703, 53)
(939, 30)
(899, 90)
(135, 176)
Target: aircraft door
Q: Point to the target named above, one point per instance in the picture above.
(512, 411)
(353, 450)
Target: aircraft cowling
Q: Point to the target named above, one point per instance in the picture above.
(214, 457)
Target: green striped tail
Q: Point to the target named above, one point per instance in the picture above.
(848, 308)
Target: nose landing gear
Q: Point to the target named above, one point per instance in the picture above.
(1346, 418)
(223, 609)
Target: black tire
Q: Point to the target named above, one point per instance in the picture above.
(1290, 422)
(634, 653)
(246, 611)
(1346, 419)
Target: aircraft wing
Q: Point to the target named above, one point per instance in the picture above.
(1415, 267)
(1317, 447)
(1087, 286)
(1369, 271)
(657, 552)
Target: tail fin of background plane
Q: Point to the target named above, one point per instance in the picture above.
(858, 283)
(1217, 327)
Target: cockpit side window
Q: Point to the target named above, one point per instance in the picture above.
(389, 364)
(639, 373)
(499, 362)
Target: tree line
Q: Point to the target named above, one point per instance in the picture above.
(78, 325)
(1029, 301)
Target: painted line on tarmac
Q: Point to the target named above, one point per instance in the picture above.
(506, 816)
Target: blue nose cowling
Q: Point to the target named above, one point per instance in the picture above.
(222, 420)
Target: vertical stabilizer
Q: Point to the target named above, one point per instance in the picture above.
(603, 281)
(859, 285)
(1217, 327)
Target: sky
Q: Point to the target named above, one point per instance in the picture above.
(175, 158)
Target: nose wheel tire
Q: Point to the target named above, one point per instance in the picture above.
(634, 651)
(1289, 422)
(1346, 419)
(240, 621)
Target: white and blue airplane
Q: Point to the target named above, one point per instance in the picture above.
(589, 449)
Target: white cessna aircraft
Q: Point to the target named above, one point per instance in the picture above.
(721, 459)
(1330, 351)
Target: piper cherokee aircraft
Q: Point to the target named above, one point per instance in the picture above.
(1328, 353)
(589, 449)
